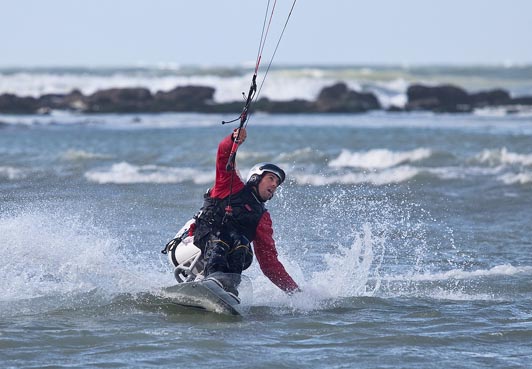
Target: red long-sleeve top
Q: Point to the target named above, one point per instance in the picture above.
(263, 244)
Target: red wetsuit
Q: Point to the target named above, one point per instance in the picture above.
(263, 244)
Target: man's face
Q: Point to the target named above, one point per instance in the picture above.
(267, 186)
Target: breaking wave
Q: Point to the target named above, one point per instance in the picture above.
(382, 167)
(498, 270)
(503, 156)
(308, 166)
(511, 167)
(388, 176)
(516, 178)
(379, 158)
(125, 173)
(12, 173)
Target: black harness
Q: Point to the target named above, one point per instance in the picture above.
(246, 211)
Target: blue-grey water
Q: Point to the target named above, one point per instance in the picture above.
(410, 235)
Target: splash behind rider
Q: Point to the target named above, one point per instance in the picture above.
(225, 237)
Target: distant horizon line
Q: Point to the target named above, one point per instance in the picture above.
(177, 66)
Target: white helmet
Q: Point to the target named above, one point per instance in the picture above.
(255, 173)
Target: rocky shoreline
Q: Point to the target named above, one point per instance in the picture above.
(337, 98)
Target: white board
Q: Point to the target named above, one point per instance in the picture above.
(205, 295)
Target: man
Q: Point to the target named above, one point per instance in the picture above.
(233, 215)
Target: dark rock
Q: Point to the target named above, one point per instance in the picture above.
(290, 106)
(338, 98)
(441, 99)
(121, 100)
(394, 109)
(490, 98)
(12, 104)
(74, 100)
(233, 107)
(522, 100)
(184, 98)
(52, 101)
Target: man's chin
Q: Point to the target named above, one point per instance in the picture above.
(267, 197)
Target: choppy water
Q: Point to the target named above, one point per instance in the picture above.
(409, 234)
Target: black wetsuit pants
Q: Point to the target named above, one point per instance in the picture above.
(228, 252)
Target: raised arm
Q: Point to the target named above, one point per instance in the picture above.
(222, 184)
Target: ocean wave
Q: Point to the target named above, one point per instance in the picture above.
(516, 178)
(462, 172)
(12, 173)
(75, 155)
(503, 156)
(404, 173)
(379, 178)
(125, 173)
(379, 158)
(307, 154)
(498, 270)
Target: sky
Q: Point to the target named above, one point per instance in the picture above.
(227, 32)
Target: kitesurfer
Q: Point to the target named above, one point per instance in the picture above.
(233, 215)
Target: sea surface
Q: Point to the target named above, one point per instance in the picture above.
(409, 234)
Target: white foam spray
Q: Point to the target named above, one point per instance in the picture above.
(56, 258)
(359, 244)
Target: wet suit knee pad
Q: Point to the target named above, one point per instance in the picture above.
(216, 256)
(240, 256)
